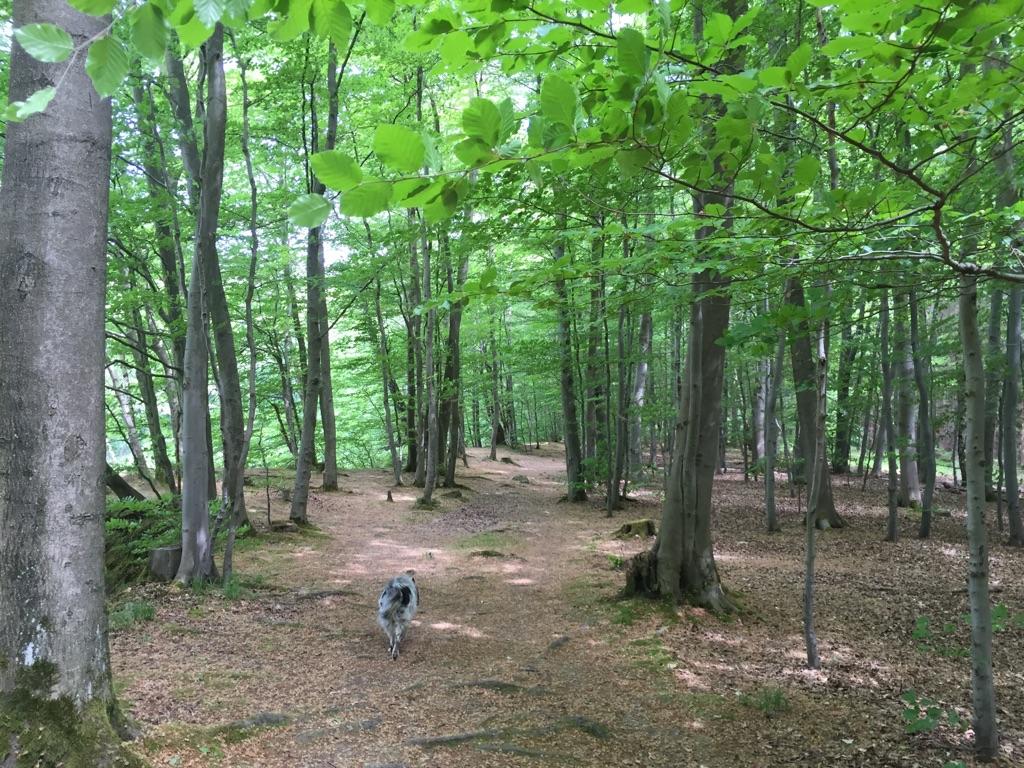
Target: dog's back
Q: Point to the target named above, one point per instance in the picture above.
(396, 608)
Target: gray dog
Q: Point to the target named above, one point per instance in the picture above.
(396, 608)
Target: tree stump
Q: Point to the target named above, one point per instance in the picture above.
(164, 562)
(642, 528)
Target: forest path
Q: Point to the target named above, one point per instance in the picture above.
(525, 657)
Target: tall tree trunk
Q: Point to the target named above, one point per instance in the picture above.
(926, 435)
(196, 542)
(1009, 427)
(819, 474)
(910, 484)
(847, 357)
(430, 374)
(495, 398)
(986, 737)
(119, 383)
(614, 498)
(993, 383)
(147, 389)
(593, 411)
(327, 417)
(53, 228)
(385, 366)
(454, 377)
(640, 375)
(771, 442)
(886, 353)
(804, 378)
(576, 490)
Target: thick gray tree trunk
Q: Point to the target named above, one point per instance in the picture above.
(196, 542)
(986, 736)
(53, 232)
(430, 375)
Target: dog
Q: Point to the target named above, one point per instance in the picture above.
(396, 608)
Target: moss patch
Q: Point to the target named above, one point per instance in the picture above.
(41, 731)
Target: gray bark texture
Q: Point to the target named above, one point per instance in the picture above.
(910, 484)
(1009, 426)
(926, 435)
(804, 379)
(53, 231)
(196, 542)
(892, 529)
(986, 737)
(771, 430)
(576, 483)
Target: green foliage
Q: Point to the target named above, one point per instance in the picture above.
(399, 148)
(45, 42)
(309, 211)
(133, 528)
(107, 65)
(130, 612)
(922, 714)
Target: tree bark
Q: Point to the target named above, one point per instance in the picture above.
(640, 374)
(385, 365)
(804, 378)
(993, 384)
(430, 375)
(576, 483)
(892, 529)
(926, 434)
(986, 737)
(910, 484)
(53, 229)
(771, 443)
(847, 358)
(819, 474)
(196, 542)
(1009, 426)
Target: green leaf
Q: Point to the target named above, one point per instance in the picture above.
(44, 42)
(632, 161)
(332, 20)
(455, 47)
(632, 52)
(509, 122)
(309, 211)
(718, 28)
(336, 170)
(209, 11)
(474, 152)
(482, 120)
(806, 171)
(19, 110)
(380, 11)
(799, 59)
(194, 33)
(774, 77)
(367, 199)
(399, 148)
(93, 7)
(294, 24)
(149, 32)
(107, 65)
(558, 100)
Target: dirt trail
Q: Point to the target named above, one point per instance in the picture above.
(519, 656)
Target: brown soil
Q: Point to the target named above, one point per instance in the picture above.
(522, 655)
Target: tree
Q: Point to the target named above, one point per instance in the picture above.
(56, 699)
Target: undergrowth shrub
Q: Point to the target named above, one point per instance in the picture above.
(133, 528)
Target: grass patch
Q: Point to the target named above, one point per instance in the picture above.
(131, 612)
(490, 540)
(770, 700)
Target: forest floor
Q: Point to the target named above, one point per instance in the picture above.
(523, 655)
